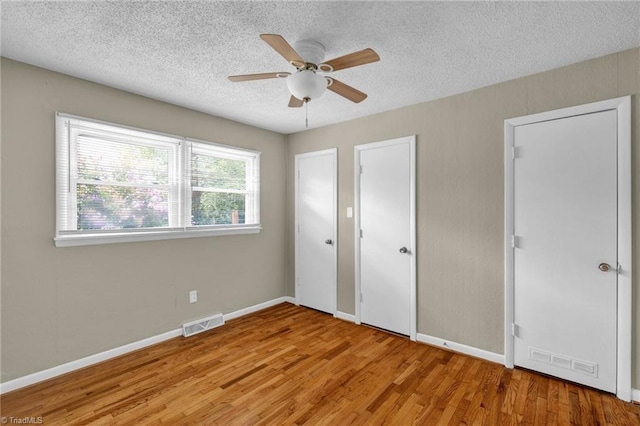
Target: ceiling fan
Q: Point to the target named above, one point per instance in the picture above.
(306, 83)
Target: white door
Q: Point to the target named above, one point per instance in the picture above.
(565, 255)
(316, 225)
(385, 233)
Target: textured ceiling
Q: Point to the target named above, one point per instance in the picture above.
(182, 52)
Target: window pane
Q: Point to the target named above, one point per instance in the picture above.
(120, 162)
(215, 172)
(214, 208)
(118, 207)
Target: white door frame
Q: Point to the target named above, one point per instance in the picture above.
(411, 140)
(624, 309)
(334, 153)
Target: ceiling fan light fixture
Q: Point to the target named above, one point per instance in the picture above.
(306, 84)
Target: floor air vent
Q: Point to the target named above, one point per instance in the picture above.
(204, 324)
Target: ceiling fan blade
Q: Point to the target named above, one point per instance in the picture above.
(354, 95)
(354, 59)
(295, 102)
(263, 76)
(280, 45)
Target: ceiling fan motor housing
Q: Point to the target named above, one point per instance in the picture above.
(310, 50)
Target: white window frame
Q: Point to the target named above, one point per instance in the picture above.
(252, 206)
(70, 127)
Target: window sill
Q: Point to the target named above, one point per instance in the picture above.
(130, 237)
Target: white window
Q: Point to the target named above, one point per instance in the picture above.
(117, 184)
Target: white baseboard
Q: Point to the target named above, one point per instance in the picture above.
(255, 308)
(68, 367)
(459, 347)
(635, 395)
(50, 373)
(345, 316)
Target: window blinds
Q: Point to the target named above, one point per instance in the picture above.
(113, 179)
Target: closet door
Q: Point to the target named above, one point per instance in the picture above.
(385, 239)
(316, 230)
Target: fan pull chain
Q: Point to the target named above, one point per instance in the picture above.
(306, 114)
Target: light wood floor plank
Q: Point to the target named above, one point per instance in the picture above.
(292, 365)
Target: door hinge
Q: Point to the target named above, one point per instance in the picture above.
(514, 153)
(514, 330)
(360, 168)
(361, 233)
(361, 298)
(514, 241)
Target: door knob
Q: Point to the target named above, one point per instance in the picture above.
(330, 242)
(404, 250)
(604, 267)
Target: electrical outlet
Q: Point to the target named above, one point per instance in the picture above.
(193, 296)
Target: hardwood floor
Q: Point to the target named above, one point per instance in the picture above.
(291, 365)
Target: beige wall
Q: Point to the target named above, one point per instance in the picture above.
(460, 191)
(61, 304)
